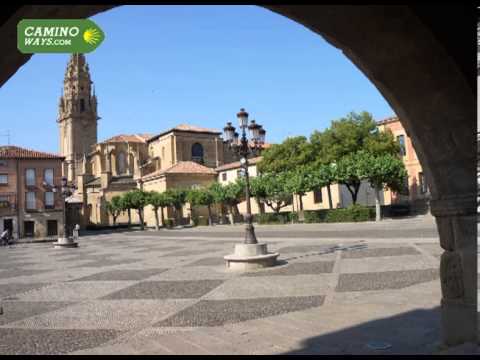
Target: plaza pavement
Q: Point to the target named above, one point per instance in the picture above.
(337, 288)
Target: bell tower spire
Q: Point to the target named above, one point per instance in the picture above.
(77, 115)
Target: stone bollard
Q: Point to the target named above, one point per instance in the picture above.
(76, 230)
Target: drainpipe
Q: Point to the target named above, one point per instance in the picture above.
(18, 199)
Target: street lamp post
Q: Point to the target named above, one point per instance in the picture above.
(243, 148)
(251, 254)
(65, 191)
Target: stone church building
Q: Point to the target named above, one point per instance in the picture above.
(182, 157)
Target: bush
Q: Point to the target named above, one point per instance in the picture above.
(201, 221)
(271, 218)
(169, 223)
(313, 216)
(354, 213)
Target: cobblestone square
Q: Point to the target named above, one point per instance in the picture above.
(164, 292)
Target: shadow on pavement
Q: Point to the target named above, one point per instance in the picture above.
(413, 332)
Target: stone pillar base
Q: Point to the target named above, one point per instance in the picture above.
(65, 243)
(459, 323)
(248, 257)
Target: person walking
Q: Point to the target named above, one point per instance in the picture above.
(5, 237)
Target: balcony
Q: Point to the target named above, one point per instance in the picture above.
(8, 204)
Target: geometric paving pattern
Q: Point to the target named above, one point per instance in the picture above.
(385, 280)
(307, 268)
(166, 290)
(51, 341)
(220, 312)
(13, 311)
(376, 252)
(59, 301)
(117, 275)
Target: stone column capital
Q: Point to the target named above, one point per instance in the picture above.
(457, 205)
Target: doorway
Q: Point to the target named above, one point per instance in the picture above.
(52, 227)
(29, 228)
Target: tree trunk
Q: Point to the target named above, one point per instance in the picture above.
(140, 215)
(301, 213)
(156, 219)
(230, 215)
(378, 209)
(209, 215)
(330, 205)
(129, 217)
(162, 216)
(261, 207)
(114, 220)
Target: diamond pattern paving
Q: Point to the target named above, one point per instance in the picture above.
(211, 261)
(385, 280)
(8, 290)
(374, 252)
(307, 268)
(17, 310)
(220, 312)
(53, 342)
(166, 290)
(119, 275)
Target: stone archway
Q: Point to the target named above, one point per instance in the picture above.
(422, 70)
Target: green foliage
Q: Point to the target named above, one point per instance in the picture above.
(177, 198)
(235, 192)
(158, 200)
(218, 193)
(135, 199)
(169, 223)
(292, 152)
(271, 189)
(385, 171)
(200, 197)
(115, 207)
(299, 181)
(271, 218)
(354, 213)
(315, 216)
(348, 135)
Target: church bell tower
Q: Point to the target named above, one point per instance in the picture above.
(77, 116)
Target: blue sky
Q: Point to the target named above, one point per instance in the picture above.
(161, 66)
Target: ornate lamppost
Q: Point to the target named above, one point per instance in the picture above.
(66, 190)
(250, 254)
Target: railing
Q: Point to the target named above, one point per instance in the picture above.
(8, 203)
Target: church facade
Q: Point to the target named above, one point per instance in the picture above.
(181, 157)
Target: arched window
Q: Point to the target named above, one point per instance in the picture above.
(121, 163)
(197, 153)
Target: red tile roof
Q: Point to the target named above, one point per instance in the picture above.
(187, 128)
(16, 152)
(182, 167)
(236, 164)
(135, 138)
(388, 120)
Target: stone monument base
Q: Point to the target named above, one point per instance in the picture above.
(248, 257)
(65, 243)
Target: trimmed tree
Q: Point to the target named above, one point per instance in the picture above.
(219, 197)
(202, 197)
(158, 201)
(177, 198)
(299, 182)
(115, 208)
(384, 171)
(274, 191)
(137, 199)
(234, 195)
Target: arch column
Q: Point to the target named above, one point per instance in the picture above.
(456, 218)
